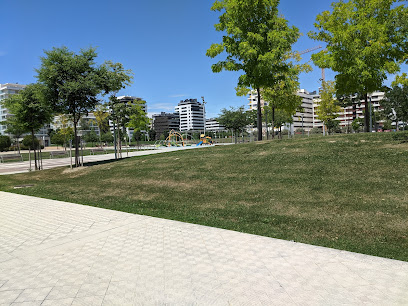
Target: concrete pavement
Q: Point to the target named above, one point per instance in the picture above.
(58, 253)
(22, 167)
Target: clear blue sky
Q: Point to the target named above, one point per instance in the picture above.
(163, 42)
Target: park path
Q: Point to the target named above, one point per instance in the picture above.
(22, 167)
(58, 253)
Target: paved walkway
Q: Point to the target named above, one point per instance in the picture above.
(21, 167)
(57, 253)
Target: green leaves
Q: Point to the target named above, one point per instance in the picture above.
(256, 41)
(366, 39)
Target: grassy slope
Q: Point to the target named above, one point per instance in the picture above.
(346, 192)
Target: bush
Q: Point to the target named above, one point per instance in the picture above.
(27, 143)
(5, 143)
(107, 137)
(316, 130)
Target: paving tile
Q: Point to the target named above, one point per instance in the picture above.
(66, 254)
(9, 296)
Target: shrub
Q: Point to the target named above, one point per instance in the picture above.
(27, 143)
(5, 143)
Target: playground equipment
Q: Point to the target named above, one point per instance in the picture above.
(205, 140)
(174, 139)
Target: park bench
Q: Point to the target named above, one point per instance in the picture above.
(10, 156)
(57, 153)
(98, 150)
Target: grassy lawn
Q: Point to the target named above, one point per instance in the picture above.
(347, 191)
(46, 154)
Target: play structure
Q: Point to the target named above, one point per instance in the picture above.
(205, 140)
(174, 139)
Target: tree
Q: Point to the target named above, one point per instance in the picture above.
(5, 143)
(235, 119)
(356, 124)
(152, 135)
(282, 116)
(101, 115)
(107, 137)
(30, 110)
(15, 128)
(258, 41)
(74, 81)
(65, 130)
(138, 119)
(366, 39)
(328, 109)
(91, 137)
(30, 142)
(282, 96)
(58, 139)
(395, 104)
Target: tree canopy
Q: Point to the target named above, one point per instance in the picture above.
(258, 41)
(328, 108)
(235, 119)
(366, 40)
(74, 81)
(30, 110)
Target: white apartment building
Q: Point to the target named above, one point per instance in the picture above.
(300, 119)
(349, 113)
(6, 90)
(212, 125)
(192, 115)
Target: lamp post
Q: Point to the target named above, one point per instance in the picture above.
(204, 113)
(114, 126)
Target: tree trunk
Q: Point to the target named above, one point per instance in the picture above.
(266, 123)
(259, 115)
(35, 154)
(366, 114)
(273, 122)
(77, 160)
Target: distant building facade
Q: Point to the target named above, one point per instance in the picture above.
(212, 125)
(165, 122)
(7, 90)
(191, 114)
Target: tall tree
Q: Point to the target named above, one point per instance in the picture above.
(235, 119)
(283, 96)
(258, 41)
(138, 119)
(74, 82)
(366, 39)
(328, 108)
(31, 111)
(101, 115)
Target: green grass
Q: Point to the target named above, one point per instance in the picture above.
(347, 191)
(46, 154)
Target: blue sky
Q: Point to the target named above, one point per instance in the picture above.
(163, 42)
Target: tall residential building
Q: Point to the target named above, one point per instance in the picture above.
(253, 100)
(192, 115)
(6, 90)
(165, 122)
(349, 113)
(304, 119)
(300, 119)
